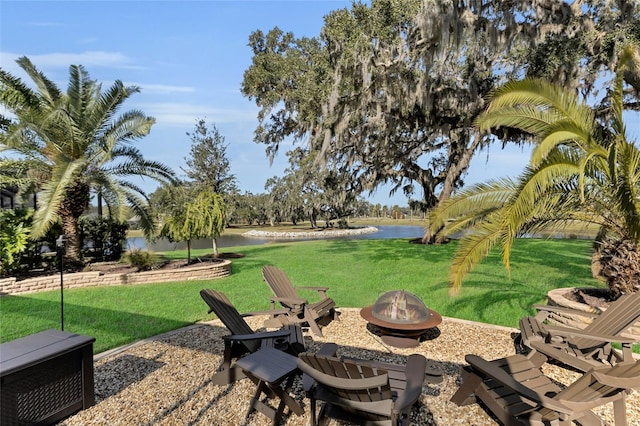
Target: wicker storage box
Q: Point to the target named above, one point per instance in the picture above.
(45, 377)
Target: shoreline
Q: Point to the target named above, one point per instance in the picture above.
(319, 233)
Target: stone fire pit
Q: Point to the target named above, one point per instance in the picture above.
(401, 317)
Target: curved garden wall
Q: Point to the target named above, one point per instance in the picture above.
(210, 270)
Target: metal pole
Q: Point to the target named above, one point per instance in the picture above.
(61, 294)
(60, 246)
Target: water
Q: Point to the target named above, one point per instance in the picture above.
(234, 240)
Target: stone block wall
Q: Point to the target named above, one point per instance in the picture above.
(90, 279)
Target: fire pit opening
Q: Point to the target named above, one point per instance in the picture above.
(401, 318)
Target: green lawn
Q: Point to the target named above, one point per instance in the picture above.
(357, 273)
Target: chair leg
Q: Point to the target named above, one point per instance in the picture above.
(226, 357)
(313, 325)
(322, 418)
(465, 394)
(312, 403)
(228, 376)
(620, 412)
(315, 328)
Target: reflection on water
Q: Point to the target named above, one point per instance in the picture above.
(233, 240)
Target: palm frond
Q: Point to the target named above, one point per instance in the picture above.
(52, 196)
(15, 95)
(528, 119)
(47, 89)
(128, 127)
(538, 93)
(470, 201)
(472, 248)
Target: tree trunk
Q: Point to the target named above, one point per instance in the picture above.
(75, 203)
(188, 251)
(620, 261)
(214, 244)
(459, 163)
(73, 252)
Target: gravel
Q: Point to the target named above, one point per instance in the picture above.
(166, 380)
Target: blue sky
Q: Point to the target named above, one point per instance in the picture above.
(188, 57)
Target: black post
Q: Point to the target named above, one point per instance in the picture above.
(60, 248)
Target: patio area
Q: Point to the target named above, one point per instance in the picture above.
(166, 380)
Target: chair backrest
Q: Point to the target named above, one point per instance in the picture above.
(602, 383)
(228, 314)
(349, 384)
(618, 317)
(279, 282)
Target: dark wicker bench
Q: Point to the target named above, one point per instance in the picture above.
(45, 377)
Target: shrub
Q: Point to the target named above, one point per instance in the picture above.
(143, 260)
(14, 238)
(104, 236)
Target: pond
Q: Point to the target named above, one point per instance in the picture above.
(234, 240)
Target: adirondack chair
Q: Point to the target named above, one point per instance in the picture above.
(360, 391)
(297, 309)
(243, 339)
(585, 348)
(518, 393)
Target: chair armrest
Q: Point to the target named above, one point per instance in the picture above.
(576, 332)
(488, 369)
(288, 301)
(267, 312)
(632, 382)
(559, 309)
(259, 336)
(415, 370)
(321, 290)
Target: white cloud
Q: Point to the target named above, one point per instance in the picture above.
(63, 60)
(174, 113)
(161, 88)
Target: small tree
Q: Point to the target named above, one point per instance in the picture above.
(170, 202)
(205, 217)
(208, 165)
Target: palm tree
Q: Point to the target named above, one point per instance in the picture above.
(583, 170)
(79, 143)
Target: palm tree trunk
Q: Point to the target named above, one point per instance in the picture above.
(73, 252)
(76, 201)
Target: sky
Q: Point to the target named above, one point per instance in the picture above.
(188, 58)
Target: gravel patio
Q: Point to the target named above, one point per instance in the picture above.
(166, 380)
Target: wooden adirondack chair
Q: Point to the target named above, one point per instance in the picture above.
(518, 393)
(297, 309)
(585, 348)
(243, 339)
(361, 391)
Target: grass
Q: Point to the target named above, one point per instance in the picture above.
(357, 272)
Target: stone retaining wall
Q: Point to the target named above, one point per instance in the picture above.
(88, 279)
